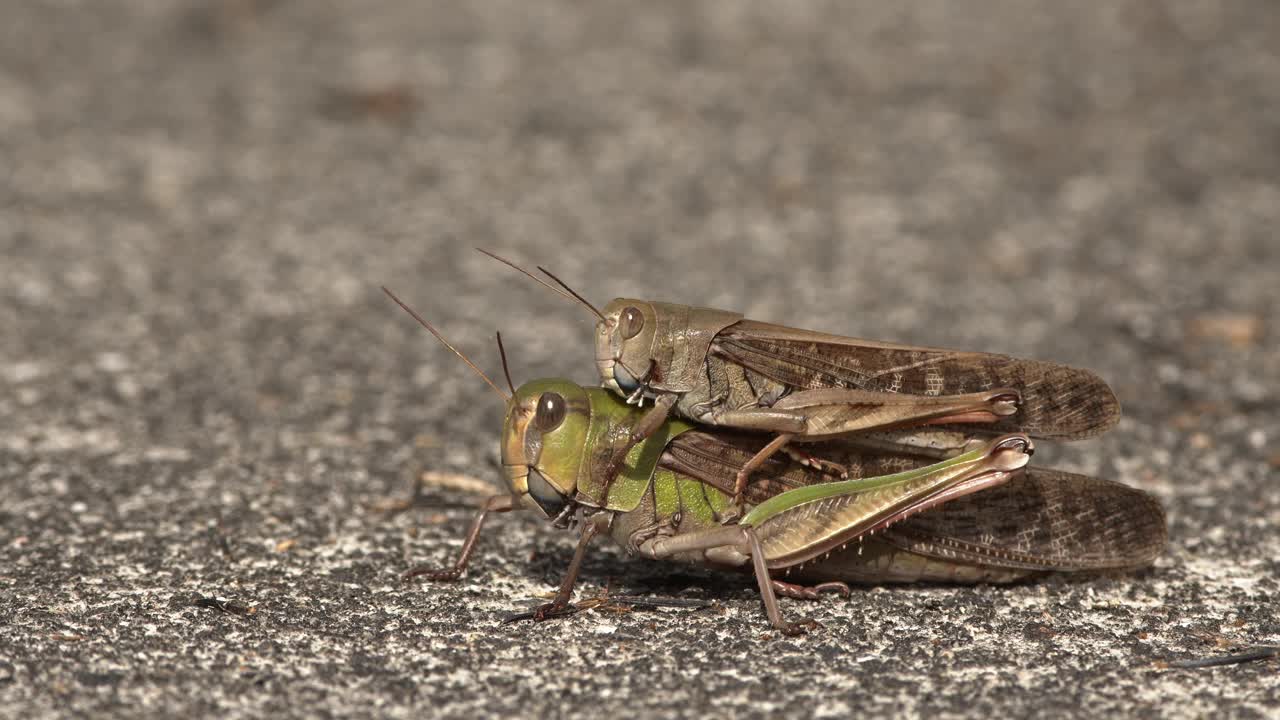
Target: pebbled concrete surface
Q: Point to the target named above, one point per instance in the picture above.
(202, 391)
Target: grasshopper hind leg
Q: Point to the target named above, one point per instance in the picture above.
(734, 544)
(767, 594)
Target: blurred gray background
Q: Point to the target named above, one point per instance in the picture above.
(204, 396)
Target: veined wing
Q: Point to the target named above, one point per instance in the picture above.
(1043, 519)
(1058, 401)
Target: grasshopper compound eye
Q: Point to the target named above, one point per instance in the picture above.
(631, 322)
(550, 413)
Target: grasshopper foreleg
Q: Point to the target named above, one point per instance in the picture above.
(495, 504)
(653, 419)
(560, 605)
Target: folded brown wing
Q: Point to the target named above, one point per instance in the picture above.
(1058, 401)
(1043, 520)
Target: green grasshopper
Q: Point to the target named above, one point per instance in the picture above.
(979, 516)
(716, 368)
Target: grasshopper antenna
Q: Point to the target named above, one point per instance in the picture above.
(427, 325)
(573, 292)
(505, 371)
(570, 295)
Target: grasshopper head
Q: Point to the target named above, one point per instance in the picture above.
(544, 441)
(644, 349)
(624, 345)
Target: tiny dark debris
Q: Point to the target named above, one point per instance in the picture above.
(222, 540)
(1038, 631)
(226, 606)
(391, 104)
(256, 677)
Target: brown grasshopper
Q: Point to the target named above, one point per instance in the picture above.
(717, 368)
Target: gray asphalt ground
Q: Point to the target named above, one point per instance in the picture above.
(204, 395)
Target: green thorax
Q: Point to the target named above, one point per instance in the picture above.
(610, 426)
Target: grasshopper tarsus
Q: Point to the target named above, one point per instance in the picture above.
(800, 627)
(431, 574)
(837, 588)
(810, 592)
(542, 613)
(825, 466)
(551, 611)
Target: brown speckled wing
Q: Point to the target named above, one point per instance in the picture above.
(1042, 520)
(1058, 401)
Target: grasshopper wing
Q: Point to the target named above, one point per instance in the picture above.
(1058, 401)
(1043, 519)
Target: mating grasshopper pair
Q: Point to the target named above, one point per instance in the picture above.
(914, 464)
